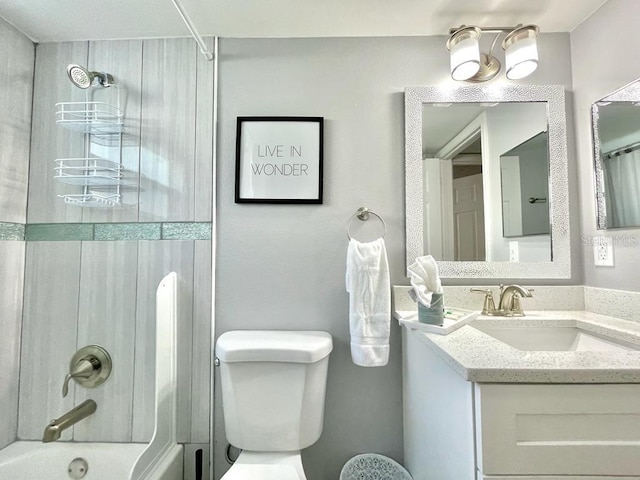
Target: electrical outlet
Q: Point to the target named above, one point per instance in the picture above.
(514, 251)
(603, 251)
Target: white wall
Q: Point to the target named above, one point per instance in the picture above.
(16, 84)
(282, 266)
(603, 60)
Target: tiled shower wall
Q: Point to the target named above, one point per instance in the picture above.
(80, 292)
(16, 83)
(166, 88)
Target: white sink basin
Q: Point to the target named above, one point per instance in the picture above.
(553, 338)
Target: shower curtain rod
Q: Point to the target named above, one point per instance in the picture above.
(619, 151)
(192, 28)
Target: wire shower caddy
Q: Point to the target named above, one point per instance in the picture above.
(101, 123)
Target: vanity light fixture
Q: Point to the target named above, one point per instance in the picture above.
(465, 52)
(470, 65)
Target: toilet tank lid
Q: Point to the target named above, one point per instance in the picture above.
(273, 346)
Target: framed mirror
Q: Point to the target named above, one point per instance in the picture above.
(615, 123)
(460, 143)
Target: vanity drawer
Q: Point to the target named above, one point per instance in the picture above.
(558, 429)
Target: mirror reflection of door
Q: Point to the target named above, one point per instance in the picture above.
(484, 218)
(468, 218)
(468, 203)
(525, 190)
(454, 203)
(511, 195)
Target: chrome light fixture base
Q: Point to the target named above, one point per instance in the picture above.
(489, 68)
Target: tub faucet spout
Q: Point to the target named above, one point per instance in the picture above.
(53, 431)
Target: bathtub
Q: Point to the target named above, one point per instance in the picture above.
(160, 459)
(105, 461)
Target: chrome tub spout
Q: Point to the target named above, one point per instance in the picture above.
(53, 431)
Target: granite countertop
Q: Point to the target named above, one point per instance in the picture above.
(478, 357)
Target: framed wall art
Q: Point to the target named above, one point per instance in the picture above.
(279, 159)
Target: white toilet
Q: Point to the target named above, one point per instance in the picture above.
(273, 390)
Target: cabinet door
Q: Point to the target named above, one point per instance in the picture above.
(438, 415)
(558, 429)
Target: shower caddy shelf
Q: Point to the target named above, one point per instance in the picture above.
(102, 124)
(95, 118)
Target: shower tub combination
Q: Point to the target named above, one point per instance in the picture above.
(161, 459)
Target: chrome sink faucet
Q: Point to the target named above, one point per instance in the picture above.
(510, 295)
(53, 431)
(509, 304)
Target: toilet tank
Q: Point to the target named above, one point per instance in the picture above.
(273, 387)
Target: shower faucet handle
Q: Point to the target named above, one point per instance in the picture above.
(89, 367)
(83, 369)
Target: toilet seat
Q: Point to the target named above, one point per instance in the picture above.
(266, 466)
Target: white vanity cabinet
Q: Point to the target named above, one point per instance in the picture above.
(456, 429)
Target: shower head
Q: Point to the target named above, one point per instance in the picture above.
(83, 78)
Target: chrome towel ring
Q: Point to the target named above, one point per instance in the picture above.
(363, 214)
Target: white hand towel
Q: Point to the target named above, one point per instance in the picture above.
(369, 290)
(425, 279)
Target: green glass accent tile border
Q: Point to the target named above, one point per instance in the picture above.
(128, 231)
(106, 231)
(186, 231)
(11, 231)
(52, 232)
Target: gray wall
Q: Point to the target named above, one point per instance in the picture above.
(603, 59)
(78, 293)
(16, 84)
(283, 266)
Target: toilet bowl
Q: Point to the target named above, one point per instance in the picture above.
(273, 391)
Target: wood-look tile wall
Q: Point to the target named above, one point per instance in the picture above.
(82, 293)
(166, 88)
(16, 84)
(78, 293)
(11, 276)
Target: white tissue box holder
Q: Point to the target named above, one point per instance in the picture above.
(454, 318)
(405, 311)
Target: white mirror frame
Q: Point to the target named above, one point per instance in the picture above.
(553, 95)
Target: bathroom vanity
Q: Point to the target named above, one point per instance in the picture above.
(550, 396)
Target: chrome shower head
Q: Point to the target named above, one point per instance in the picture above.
(83, 78)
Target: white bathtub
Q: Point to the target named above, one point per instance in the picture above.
(160, 459)
(106, 461)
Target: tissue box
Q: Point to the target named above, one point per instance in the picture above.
(433, 315)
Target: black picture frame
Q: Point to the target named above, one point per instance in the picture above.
(279, 159)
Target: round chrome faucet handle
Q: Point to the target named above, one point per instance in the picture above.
(89, 367)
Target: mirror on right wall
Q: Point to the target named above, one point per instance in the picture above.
(615, 122)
